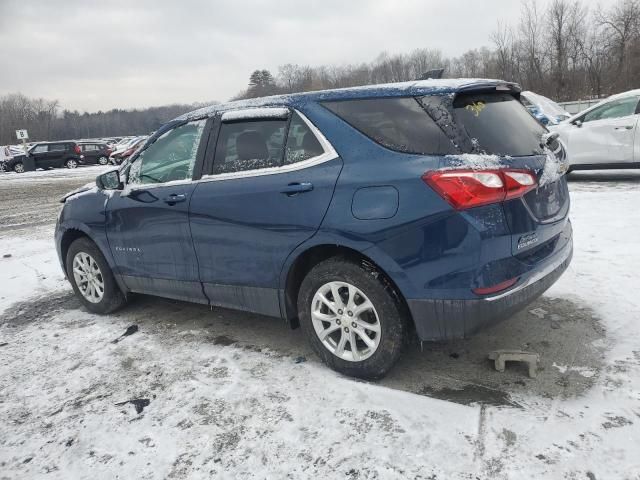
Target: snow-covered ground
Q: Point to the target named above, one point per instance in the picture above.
(227, 395)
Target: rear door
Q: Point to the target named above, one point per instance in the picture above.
(90, 152)
(148, 222)
(606, 134)
(57, 154)
(259, 202)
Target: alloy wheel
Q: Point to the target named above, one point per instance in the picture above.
(88, 277)
(18, 168)
(72, 164)
(103, 160)
(345, 321)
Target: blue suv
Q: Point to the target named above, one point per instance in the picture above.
(364, 215)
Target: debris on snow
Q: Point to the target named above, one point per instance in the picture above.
(129, 331)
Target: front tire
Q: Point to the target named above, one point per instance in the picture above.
(18, 167)
(352, 318)
(91, 278)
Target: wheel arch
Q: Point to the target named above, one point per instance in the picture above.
(313, 255)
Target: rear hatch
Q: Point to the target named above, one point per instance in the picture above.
(493, 131)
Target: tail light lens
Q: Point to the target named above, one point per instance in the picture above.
(472, 188)
(77, 149)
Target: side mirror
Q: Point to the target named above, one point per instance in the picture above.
(578, 123)
(109, 181)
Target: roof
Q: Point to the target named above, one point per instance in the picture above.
(417, 87)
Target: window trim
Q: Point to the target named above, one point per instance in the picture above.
(329, 153)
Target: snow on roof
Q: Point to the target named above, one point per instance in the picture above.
(257, 112)
(415, 87)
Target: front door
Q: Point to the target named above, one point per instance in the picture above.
(258, 205)
(39, 153)
(606, 134)
(148, 221)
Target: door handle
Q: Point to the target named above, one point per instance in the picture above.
(175, 198)
(626, 127)
(295, 188)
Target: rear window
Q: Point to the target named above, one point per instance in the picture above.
(397, 123)
(57, 147)
(496, 123)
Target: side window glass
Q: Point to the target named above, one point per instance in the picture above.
(302, 144)
(616, 109)
(171, 157)
(249, 145)
(58, 147)
(40, 149)
(400, 124)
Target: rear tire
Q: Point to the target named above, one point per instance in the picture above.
(103, 160)
(378, 331)
(91, 278)
(71, 163)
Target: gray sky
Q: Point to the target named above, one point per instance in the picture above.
(95, 55)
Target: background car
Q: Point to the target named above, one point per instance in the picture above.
(49, 155)
(97, 153)
(545, 110)
(604, 135)
(120, 154)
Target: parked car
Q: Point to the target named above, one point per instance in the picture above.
(605, 135)
(5, 157)
(93, 152)
(545, 110)
(49, 155)
(425, 208)
(122, 153)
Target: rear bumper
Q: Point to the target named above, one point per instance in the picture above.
(437, 320)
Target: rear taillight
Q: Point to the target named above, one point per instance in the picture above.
(76, 149)
(472, 188)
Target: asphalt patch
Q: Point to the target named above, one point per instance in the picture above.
(138, 403)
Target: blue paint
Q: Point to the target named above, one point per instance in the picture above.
(232, 242)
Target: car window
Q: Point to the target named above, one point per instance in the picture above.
(249, 145)
(497, 123)
(397, 123)
(57, 147)
(302, 144)
(171, 157)
(40, 149)
(89, 148)
(614, 109)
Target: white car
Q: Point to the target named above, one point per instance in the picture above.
(604, 135)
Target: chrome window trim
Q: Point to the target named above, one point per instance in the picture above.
(329, 154)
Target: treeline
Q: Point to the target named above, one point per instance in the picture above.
(45, 121)
(565, 51)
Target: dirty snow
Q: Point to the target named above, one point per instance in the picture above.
(180, 399)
